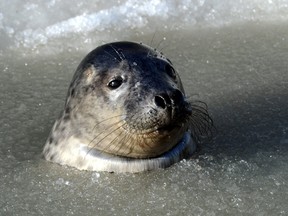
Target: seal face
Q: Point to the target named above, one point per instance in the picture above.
(125, 111)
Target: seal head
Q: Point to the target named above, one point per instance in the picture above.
(125, 111)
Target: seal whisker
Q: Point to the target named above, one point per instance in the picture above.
(103, 132)
(112, 56)
(119, 144)
(111, 132)
(163, 48)
(119, 53)
(143, 142)
(124, 140)
(201, 122)
(151, 42)
(127, 137)
(107, 119)
(161, 41)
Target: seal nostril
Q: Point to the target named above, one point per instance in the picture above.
(160, 101)
(177, 96)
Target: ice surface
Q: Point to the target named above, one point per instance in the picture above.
(230, 54)
(32, 23)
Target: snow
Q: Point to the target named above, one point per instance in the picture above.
(230, 54)
(33, 23)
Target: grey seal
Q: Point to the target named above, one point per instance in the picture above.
(126, 111)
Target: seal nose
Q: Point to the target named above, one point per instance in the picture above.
(177, 97)
(167, 100)
(162, 101)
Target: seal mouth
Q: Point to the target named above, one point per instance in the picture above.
(159, 129)
(167, 128)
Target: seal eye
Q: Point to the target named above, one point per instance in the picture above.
(115, 83)
(170, 71)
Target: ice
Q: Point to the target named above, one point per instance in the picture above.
(230, 54)
(38, 23)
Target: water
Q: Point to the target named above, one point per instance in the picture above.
(238, 68)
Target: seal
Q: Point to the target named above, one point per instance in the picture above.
(126, 111)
